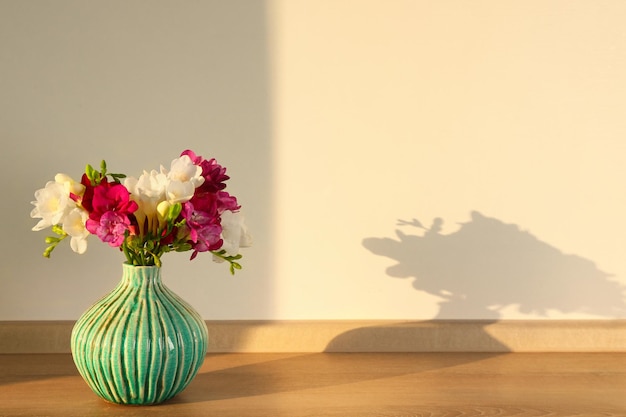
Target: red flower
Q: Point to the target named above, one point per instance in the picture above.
(109, 206)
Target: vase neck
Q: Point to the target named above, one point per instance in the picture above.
(141, 276)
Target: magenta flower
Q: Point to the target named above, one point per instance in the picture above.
(112, 197)
(204, 229)
(226, 202)
(111, 227)
(111, 207)
(208, 239)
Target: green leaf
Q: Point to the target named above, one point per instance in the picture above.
(182, 247)
(117, 177)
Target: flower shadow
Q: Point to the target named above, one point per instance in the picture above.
(488, 265)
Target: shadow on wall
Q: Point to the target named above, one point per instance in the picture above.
(488, 265)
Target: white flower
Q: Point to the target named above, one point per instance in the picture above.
(69, 184)
(52, 205)
(234, 233)
(179, 192)
(182, 179)
(184, 170)
(74, 226)
(147, 191)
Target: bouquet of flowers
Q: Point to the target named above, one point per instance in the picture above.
(183, 208)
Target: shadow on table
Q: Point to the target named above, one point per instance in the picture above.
(428, 345)
(313, 370)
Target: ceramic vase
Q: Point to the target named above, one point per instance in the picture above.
(140, 344)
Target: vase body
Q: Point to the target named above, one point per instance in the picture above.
(140, 344)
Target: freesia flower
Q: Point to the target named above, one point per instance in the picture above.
(74, 226)
(226, 202)
(74, 189)
(182, 208)
(234, 233)
(110, 228)
(213, 173)
(51, 206)
(148, 191)
(204, 229)
(184, 170)
(179, 191)
(112, 197)
(111, 205)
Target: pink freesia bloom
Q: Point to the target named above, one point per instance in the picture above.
(204, 229)
(110, 228)
(226, 202)
(209, 238)
(110, 207)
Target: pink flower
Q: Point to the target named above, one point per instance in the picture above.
(204, 229)
(226, 202)
(109, 209)
(111, 227)
(209, 239)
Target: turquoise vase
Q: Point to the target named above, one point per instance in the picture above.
(140, 344)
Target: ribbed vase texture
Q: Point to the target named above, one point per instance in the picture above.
(141, 343)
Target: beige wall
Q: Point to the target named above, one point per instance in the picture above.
(345, 125)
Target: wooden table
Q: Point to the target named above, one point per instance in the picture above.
(343, 385)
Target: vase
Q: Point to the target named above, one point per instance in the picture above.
(140, 344)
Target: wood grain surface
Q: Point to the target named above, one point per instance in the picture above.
(308, 336)
(343, 384)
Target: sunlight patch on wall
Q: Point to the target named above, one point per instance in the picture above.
(386, 112)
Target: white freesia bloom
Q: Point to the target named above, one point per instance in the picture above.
(69, 184)
(179, 192)
(234, 233)
(51, 206)
(184, 170)
(148, 190)
(74, 226)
